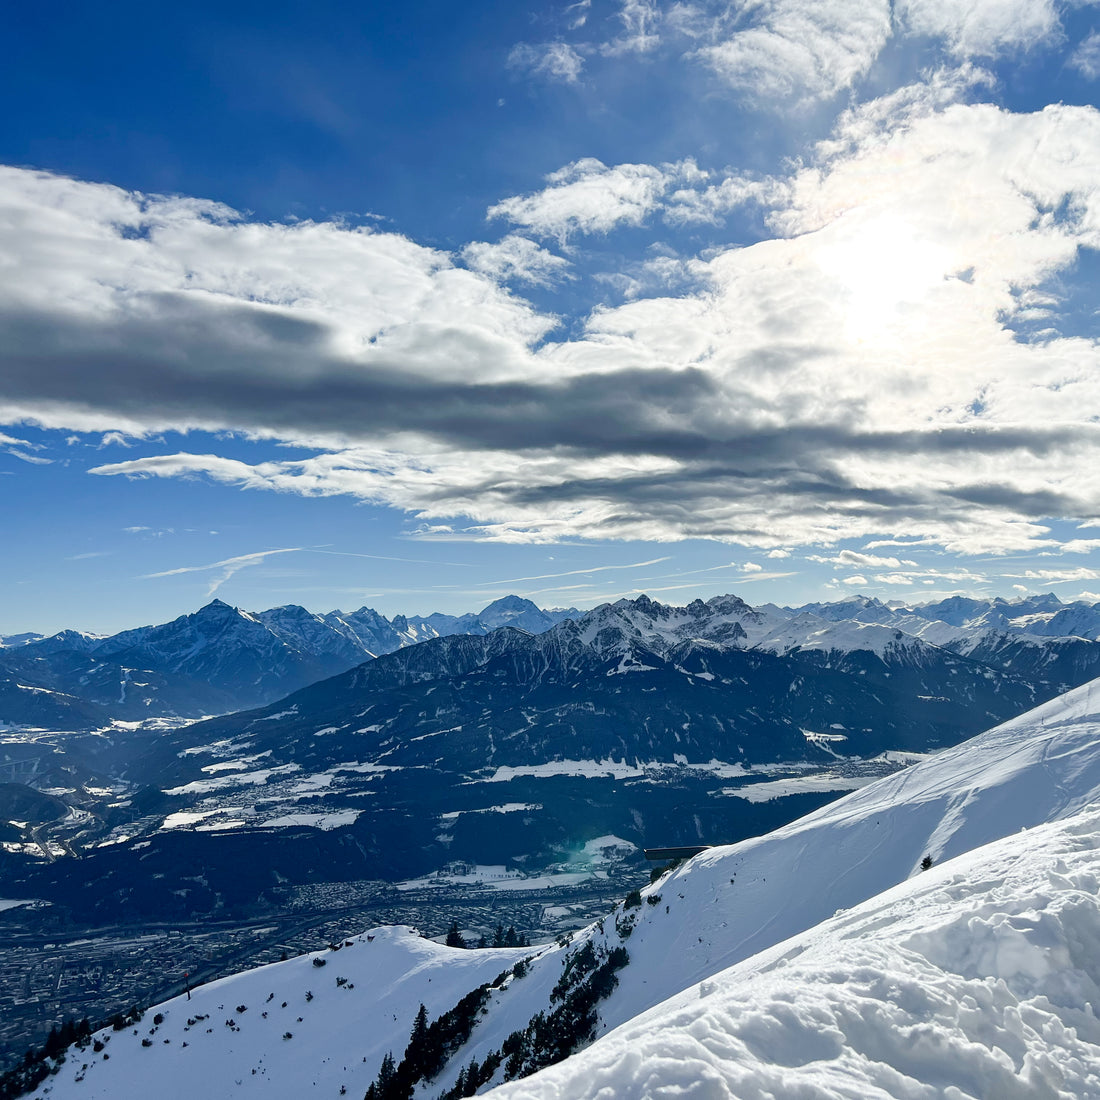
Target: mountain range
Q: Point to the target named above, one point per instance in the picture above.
(221, 659)
(932, 934)
(216, 660)
(511, 747)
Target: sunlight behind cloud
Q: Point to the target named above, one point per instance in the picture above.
(881, 265)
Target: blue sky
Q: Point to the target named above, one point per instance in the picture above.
(414, 306)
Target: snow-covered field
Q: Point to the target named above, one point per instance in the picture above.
(817, 961)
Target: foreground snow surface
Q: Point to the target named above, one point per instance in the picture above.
(302, 1032)
(817, 961)
(977, 979)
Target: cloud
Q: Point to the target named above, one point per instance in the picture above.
(552, 60)
(517, 258)
(861, 372)
(18, 448)
(578, 572)
(752, 567)
(639, 19)
(856, 581)
(117, 439)
(981, 28)
(34, 460)
(225, 569)
(1059, 576)
(797, 49)
(710, 204)
(588, 197)
(1079, 546)
(577, 13)
(851, 558)
(1086, 58)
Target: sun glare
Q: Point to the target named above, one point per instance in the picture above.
(880, 267)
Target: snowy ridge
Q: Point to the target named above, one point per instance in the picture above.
(977, 979)
(980, 974)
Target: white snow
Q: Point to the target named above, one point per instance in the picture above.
(977, 979)
(590, 769)
(506, 808)
(243, 779)
(333, 820)
(815, 962)
(801, 784)
(282, 714)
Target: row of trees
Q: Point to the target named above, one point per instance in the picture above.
(501, 938)
(37, 1065)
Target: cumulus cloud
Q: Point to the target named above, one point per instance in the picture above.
(795, 394)
(783, 53)
(851, 558)
(517, 258)
(588, 197)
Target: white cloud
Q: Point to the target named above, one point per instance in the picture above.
(1086, 58)
(851, 558)
(553, 60)
(798, 49)
(224, 569)
(639, 19)
(1056, 576)
(518, 258)
(855, 375)
(588, 197)
(577, 14)
(1079, 546)
(855, 581)
(752, 567)
(18, 448)
(981, 28)
(117, 439)
(710, 204)
(34, 460)
(779, 553)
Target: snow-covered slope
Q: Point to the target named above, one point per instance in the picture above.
(818, 957)
(979, 979)
(304, 1030)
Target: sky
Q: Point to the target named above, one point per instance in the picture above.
(413, 306)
